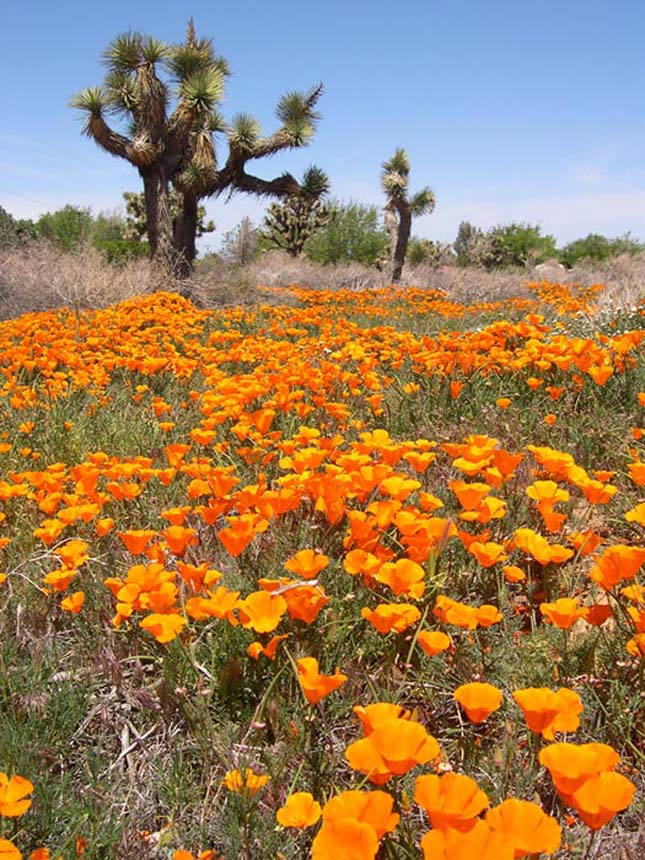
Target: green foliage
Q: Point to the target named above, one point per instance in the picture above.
(518, 244)
(14, 232)
(597, 247)
(120, 251)
(67, 227)
(108, 227)
(505, 246)
(464, 245)
(426, 251)
(353, 234)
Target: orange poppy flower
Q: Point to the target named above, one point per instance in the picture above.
(178, 538)
(547, 712)
(539, 548)
(434, 641)
(164, 627)
(241, 531)
(300, 810)
(636, 514)
(314, 685)
(403, 577)
(481, 842)
(374, 715)
(487, 615)
(73, 553)
(584, 542)
(636, 645)
(369, 807)
(469, 495)
(103, 526)
(73, 603)
(450, 800)
(597, 614)
(601, 797)
(136, 540)
(564, 612)
(8, 850)
(246, 783)
(388, 617)
(182, 854)
(487, 554)
(512, 573)
(478, 700)
(570, 765)
(526, 826)
(307, 563)
(269, 650)
(345, 839)
(13, 795)
(38, 854)
(60, 579)
(617, 563)
(358, 561)
(262, 611)
(304, 602)
(393, 748)
(450, 611)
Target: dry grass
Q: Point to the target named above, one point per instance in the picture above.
(623, 277)
(40, 276)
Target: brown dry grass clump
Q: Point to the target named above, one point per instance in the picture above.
(40, 276)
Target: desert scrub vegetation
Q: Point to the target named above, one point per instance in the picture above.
(356, 575)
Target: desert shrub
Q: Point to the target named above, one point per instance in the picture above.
(15, 231)
(599, 248)
(422, 251)
(67, 227)
(118, 251)
(354, 234)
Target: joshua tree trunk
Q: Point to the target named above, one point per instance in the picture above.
(185, 232)
(158, 216)
(401, 247)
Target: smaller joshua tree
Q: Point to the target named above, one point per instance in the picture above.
(136, 227)
(289, 224)
(401, 208)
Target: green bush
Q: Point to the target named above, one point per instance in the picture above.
(67, 227)
(14, 232)
(119, 251)
(597, 247)
(353, 234)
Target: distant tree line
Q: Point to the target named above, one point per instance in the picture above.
(323, 230)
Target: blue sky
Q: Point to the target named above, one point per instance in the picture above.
(509, 111)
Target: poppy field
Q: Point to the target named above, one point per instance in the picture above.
(356, 575)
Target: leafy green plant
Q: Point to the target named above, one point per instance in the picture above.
(353, 234)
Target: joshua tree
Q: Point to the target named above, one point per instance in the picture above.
(401, 208)
(136, 226)
(177, 148)
(288, 225)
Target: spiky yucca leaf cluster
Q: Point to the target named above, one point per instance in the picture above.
(288, 225)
